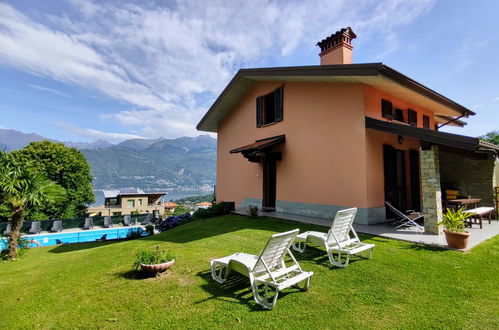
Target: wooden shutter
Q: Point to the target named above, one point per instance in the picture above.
(386, 109)
(412, 117)
(279, 104)
(426, 121)
(259, 111)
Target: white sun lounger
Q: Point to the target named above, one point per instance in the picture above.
(7, 229)
(341, 239)
(147, 220)
(268, 274)
(89, 223)
(108, 223)
(56, 226)
(35, 228)
(127, 220)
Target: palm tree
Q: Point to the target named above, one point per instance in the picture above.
(23, 189)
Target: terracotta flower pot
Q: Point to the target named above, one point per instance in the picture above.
(157, 267)
(457, 240)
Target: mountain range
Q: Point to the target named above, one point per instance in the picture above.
(182, 164)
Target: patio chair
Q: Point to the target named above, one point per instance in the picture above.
(35, 228)
(108, 223)
(406, 220)
(338, 240)
(89, 223)
(127, 220)
(147, 220)
(268, 273)
(7, 229)
(56, 226)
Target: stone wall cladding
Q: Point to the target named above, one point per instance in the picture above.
(472, 175)
(431, 195)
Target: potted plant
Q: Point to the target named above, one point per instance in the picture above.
(454, 221)
(253, 210)
(154, 261)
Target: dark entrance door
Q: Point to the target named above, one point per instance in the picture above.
(269, 182)
(394, 168)
(415, 180)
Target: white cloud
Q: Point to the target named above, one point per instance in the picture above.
(51, 90)
(159, 59)
(92, 134)
(496, 98)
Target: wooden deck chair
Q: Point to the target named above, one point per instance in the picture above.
(56, 226)
(268, 271)
(7, 229)
(406, 220)
(108, 223)
(35, 228)
(341, 239)
(127, 220)
(147, 220)
(89, 223)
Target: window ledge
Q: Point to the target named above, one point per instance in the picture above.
(270, 124)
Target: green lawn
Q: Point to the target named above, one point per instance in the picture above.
(404, 285)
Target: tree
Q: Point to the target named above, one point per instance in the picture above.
(23, 189)
(181, 209)
(492, 137)
(68, 168)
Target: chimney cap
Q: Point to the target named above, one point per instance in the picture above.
(343, 36)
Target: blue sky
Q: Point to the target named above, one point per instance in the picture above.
(85, 70)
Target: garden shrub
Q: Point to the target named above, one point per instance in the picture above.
(173, 221)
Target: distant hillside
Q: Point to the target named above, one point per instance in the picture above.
(167, 163)
(182, 164)
(11, 139)
(138, 144)
(89, 145)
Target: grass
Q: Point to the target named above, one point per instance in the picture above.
(92, 285)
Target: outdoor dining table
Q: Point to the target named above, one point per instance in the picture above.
(464, 202)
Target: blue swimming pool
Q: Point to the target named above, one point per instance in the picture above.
(79, 236)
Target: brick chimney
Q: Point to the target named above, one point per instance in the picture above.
(337, 48)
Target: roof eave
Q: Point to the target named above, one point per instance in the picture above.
(249, 76)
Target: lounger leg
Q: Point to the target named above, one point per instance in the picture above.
(336, 261)
(219, 271)
(303, 285)
(269, 296)
(299, 246)
(366, 254)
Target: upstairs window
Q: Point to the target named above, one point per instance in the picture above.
(269, 108)
(386, 109)
(398, 114)
(412, 117)
(130, 203)
(426, 121)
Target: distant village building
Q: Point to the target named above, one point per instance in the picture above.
(126, 201)
(203, 205)
(170, 206)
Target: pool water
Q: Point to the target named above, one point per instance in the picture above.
(79, 236)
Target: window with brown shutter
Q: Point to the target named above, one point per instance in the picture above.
(412, 117)
(426, 121)
(269, 108)
(386, 109)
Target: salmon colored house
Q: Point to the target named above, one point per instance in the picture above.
(311, 140)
